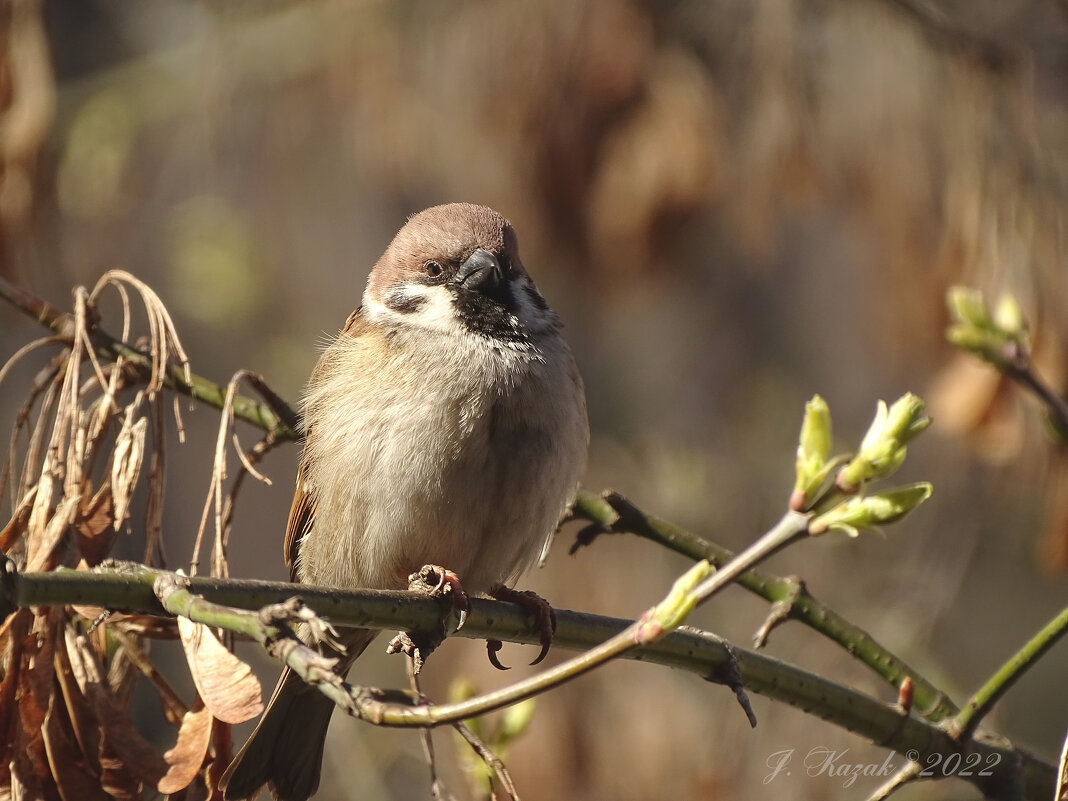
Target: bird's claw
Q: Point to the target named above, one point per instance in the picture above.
(544, 616)
(415, 646)
(492, 647)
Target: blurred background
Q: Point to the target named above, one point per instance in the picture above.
(733, 205)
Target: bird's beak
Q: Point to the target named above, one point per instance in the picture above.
(481, 271)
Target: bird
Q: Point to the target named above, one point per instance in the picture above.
(445, 425)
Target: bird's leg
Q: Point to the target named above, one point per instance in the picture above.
(435, 582)
(544, 616)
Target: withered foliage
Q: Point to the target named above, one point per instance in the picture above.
(86, 442)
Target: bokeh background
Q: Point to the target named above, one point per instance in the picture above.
(732, 204)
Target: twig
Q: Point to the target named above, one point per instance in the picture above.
(700, 653)
(615, 514)
(493, 762)
(1023, 373)
(438, 790)
(1001, 338)
(905, 775)
(980, 704)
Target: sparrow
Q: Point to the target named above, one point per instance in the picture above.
(446, 425)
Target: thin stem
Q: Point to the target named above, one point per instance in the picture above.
(1025, 376)
(792, 527)
(1008, 674)
(615, 514)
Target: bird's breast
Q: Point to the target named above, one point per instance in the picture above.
(461, 459)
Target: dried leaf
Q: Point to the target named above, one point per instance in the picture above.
(126, 462)
(14, 631)
(74, 780)
(30, 763)
(223, 748)
(42, 504)
(41, 669)
(116, 778)
(173, 707)
(20, 519)
(41, 553)
(196, 791)
(83, 722)
(226, 684)
(118, 732)
(188, 753)
(95, 525)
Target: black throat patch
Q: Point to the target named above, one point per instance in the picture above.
(492, 314)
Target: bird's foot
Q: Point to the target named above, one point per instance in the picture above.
(435, 582)
(542, 611)
(439, 582)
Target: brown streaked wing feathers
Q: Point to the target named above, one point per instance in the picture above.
(302, 511)
(301, 515)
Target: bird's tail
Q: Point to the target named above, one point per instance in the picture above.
(286, 749)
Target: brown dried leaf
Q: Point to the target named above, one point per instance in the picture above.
(188, 753)
(14, 632)
(196, 791)
(74, 779)
(42, 551)
(81, 718)
(118, 732)
(94, 525)
(30, 762)
(223, 747)
(41, 669)
(25, 781)
(20, 519)
(174, 709)
(116, 778)
(128, 453)
(226, 684)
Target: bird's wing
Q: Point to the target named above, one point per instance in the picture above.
(301, 516)
(302, 511)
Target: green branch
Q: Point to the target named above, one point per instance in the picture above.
(701, 653)
(1007, 675)
(612, 513)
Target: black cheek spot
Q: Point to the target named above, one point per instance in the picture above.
(404, 304)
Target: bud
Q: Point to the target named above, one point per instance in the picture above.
(813, 450)
(883, 448)
(871, 511)
(515, 720)
(1000, 338)
(669, 614)
(966, 306)
(1009, 319)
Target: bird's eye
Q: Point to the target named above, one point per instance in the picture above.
(433, 269)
